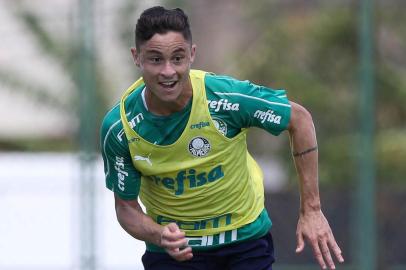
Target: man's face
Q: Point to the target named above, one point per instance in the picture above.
(165, 62)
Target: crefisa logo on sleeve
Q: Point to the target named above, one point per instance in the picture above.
(199, 146)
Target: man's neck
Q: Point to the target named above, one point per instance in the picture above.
(159, 107)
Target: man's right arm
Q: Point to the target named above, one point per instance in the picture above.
(134, 221)
(124, 180)
(121, 176)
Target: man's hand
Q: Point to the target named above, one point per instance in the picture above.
(313, 227)
(174, 242)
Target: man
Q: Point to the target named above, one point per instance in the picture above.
(178, 140)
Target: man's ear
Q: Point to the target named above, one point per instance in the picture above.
(136, 56)
(192, 53)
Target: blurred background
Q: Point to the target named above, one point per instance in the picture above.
(64, 64)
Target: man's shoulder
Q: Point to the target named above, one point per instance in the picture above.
(223, 83)
(112, 121)
(220, 85)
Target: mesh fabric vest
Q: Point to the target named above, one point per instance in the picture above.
(205, 182)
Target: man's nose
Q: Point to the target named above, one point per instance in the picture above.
(168, 70)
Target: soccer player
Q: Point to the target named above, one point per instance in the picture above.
(177, 140)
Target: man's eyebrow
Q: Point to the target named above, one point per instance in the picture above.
(179, 50)
(151, 51)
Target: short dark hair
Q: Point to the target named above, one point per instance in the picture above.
(159, 20)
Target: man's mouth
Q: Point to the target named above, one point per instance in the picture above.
(168, 84)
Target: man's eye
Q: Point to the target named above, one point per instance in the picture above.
(155, 59)
(178, 58)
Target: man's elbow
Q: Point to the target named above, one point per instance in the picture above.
(300, 117)
(121, 208)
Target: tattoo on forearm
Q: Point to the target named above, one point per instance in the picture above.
(300, 154)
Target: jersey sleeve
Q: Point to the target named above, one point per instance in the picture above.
(266, 108)
(120, 174)
(250, 105)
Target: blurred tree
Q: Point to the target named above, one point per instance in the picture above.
(312, 52)
(308, 48)
(63, 50)
(66, 53)
(126, 22)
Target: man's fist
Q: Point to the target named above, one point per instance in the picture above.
(173, 240)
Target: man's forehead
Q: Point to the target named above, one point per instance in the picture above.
(164, 49)
(170, 41)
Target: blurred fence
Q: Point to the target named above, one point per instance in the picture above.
(40, 214)
(337, 205)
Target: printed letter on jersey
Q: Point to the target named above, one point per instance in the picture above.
(121, 174)
(268, 116)
(188, 179)
(223, 104)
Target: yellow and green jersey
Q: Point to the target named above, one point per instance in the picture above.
(193, 167)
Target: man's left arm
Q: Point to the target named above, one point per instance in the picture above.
(312, 225)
